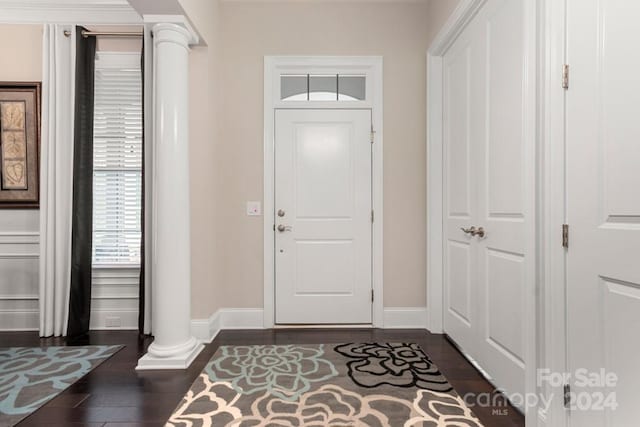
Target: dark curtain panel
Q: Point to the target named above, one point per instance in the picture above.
(82, 216)
(141, 292)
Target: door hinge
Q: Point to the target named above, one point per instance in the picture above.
(565, 76)
(371, 295)
(565, 235)
(567, 396)
(372, 216)
(373, 135)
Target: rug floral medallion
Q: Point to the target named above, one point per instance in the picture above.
(366, 384)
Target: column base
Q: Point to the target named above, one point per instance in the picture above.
(175, 357)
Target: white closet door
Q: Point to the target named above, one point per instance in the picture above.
(505, 197)
(489, 184)
(462, 104)
(603, 208)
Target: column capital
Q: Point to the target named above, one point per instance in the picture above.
(175, 28)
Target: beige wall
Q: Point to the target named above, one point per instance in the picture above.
(204, 16)
(203, 84)
(21, 53)
(248, 32)
(226, 128)
(204, 199)
(439, 11)
(21, 49)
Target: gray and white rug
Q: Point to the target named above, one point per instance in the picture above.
(31, 376)
(369, 384)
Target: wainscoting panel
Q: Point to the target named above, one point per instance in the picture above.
(19, 265)
(114, 298)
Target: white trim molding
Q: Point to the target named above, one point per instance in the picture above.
(552, 212)
(116, 12)
(241, 318)
(405, 317)
(114, 298)
(371, 66)
(205, 330)
(19, 238)
(21, 319)
(19, 306)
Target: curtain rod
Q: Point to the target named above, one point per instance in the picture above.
(86, 33)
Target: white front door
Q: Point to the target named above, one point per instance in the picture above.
(603, 210)
(323, 216)
(488, 184)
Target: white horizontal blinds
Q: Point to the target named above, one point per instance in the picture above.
(117, 157)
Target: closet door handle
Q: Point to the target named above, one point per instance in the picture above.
(471, 230)
(479, 232)
(474, 231)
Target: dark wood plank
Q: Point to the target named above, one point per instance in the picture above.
(115, 395)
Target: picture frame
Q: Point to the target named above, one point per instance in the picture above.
(20, 145)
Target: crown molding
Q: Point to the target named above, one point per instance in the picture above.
(68, 12)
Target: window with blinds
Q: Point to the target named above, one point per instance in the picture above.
(117, 159)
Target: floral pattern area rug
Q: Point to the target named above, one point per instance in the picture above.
(31, 376)
(370, 384)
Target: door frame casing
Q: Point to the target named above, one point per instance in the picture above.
(274, 66)
(553, 198)
(457, 22)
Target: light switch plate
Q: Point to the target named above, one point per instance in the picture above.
(254, 209)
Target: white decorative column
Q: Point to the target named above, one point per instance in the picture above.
(173, 346)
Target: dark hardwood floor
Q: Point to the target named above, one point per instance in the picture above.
(114, 394)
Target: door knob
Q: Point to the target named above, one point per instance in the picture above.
(282, 228)
(474, 231)
(471, 230)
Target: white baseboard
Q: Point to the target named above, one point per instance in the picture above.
(206, 330)
(241, 318)
(113, 320)
(19, 320)
(405, 317)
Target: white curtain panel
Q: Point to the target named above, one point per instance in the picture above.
(56, 177)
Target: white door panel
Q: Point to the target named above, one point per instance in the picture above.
(488, 183)
(603, 206)
(323, 190)
(505, 197)
(460, 315)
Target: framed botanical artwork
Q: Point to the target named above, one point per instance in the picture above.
(19, 145)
